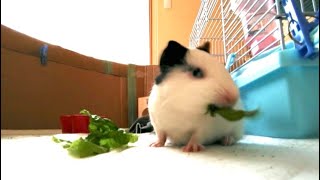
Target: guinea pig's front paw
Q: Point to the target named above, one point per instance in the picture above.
(157, 144)
(228, 140)
(161, 140)
(193, 147)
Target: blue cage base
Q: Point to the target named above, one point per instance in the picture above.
(285, 89)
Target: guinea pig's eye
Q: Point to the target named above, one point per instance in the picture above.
(197, 72)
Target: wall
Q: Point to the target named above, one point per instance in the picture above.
(171, 24)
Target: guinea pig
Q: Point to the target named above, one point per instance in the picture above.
(190, 80)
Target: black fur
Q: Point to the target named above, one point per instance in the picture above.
(172, 56)
(160, 78)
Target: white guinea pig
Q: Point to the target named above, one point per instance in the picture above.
(190, 80)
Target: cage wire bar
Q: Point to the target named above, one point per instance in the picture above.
(245, 28)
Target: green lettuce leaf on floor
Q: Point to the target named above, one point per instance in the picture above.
(104, 136)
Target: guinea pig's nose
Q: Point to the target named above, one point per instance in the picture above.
(229, 99)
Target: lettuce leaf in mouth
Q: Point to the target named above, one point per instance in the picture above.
(229, 113)
(103, 137)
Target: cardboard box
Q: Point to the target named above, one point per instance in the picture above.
(35, 94)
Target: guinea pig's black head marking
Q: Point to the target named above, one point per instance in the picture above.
(172, 56)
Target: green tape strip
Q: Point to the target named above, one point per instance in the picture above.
(132, 95)
(108, 67)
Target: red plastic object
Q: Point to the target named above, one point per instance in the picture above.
(80, 124)
(76, 123)
(66, 123)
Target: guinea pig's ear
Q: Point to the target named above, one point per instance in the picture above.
(205, 47)
(172, 55)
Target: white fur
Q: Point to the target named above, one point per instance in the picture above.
(177, 106)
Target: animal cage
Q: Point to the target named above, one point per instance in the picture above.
(271, 48)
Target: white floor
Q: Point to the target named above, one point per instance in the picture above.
(38, 157)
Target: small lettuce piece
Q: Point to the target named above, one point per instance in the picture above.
(82, 148)
(103, 137)
(228, 113)
(112, 139)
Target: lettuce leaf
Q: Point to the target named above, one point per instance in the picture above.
(228, 113)
(103, 137)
